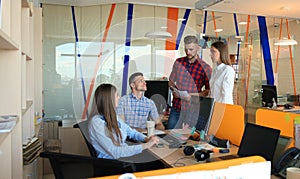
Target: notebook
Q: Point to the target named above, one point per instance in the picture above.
(256, 140)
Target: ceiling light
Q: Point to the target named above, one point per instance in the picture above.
(218, 30)
(240, 37)
(285, 42)
(203, 4)
(158, 34)
(242, 23)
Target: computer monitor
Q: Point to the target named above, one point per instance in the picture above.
(199, 113)
(158, 91)
(259, 140)
(269, 92)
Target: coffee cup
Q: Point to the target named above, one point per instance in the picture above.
(150, 128)
(293, 173)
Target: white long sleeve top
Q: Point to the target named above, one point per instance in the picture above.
(221, 83)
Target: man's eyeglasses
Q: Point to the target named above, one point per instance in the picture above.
(140, 81)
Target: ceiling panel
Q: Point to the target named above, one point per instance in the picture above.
(276, 8)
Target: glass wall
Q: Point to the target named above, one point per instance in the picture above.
(103, 46)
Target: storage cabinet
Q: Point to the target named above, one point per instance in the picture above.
(21, 80)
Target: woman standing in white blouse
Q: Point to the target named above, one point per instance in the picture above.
(222, 79)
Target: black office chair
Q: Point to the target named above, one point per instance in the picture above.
(66, 166)
(142, 162)
(83, 127)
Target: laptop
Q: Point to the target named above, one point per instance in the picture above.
(173, 140)
(256, 140)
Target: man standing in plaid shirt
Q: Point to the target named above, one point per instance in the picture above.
(189, 75)
(135, 109)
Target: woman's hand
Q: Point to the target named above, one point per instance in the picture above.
(153, 140)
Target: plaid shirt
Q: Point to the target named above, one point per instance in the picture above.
(190, 77)
(136, 111)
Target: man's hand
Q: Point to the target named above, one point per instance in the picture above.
(186, 98)
(175, 92)
(160, 125)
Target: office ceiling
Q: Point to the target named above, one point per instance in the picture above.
(273, 9)
(276, 8)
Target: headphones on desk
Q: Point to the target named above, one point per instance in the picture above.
(200, 155)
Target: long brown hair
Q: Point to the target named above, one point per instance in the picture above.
(223, 49)
(104, 104)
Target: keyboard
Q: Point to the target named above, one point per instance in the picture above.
(171, 140)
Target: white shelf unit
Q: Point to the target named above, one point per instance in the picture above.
(21, 81)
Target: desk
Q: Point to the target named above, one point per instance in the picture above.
(279, 119)
(295, 109)
(176, 157)
(170, 156)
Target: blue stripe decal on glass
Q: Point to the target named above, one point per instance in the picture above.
(236, 25)
(78, 55)
(239, 41)
(182, 27)
(204, 23)
(264, 40)
(127, 48)
(203, 31)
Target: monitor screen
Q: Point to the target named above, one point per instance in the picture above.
(259, 140)
(199, 113)
(159, 92)
(269, 92)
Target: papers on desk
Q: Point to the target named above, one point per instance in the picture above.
(158, 132)
(182, 131)
(204, 145)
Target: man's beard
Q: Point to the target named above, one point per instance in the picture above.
(191, 57)
(141, 89)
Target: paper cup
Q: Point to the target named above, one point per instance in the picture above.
(293, 173)
(150, 128)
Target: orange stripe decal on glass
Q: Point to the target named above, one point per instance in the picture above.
(172, 24)
(113, 6)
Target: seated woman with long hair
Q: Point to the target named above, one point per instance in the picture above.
(108, 132)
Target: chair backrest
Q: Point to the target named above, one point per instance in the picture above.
(227, 122)
(83, 126)
(66, 166)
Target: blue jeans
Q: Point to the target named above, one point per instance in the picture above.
(173, 118)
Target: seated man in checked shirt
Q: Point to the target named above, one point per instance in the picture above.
(135, 109)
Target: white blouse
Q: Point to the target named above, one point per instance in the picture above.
(221, 83)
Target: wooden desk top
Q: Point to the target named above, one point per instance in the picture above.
(294, 109)
(182, 163)
(281, 108)
(177, 158)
